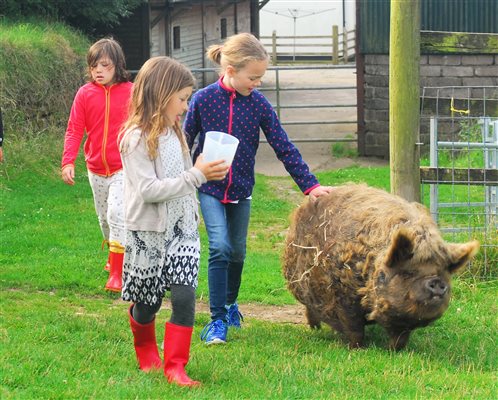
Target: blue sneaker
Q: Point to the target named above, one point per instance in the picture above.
(234, 316)
(215, 332)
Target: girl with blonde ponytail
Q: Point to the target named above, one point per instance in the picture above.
(235, 106)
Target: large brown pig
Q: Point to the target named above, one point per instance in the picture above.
(361, 255)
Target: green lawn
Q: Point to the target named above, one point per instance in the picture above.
(63, 337)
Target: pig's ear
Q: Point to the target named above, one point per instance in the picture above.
(401, 249)
(461, 254)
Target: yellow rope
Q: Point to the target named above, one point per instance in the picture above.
(453, 109)
(105, 242)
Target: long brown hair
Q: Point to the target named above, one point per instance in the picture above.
(156, 82)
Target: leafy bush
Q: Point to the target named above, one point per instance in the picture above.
(84, 15)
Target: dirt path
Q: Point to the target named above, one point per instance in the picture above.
(288, 314)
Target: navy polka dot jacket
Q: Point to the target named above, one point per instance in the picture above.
(218, 108)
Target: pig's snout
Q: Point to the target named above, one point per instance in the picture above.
(436, 287)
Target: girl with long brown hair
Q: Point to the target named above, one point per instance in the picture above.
(161, 215)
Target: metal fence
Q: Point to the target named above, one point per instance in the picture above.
(461, 181)
(287, 93)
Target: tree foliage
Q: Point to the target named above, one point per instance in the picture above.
(83, 14)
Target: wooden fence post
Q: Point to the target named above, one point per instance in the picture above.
(404, 95)
(335, 44)
(274, 47)
(345, 46)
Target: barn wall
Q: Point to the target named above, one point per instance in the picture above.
(149, 31)
(158, 32)
(244, 17)
(207, 17)
(456, 60)
(200, 27)
(458, 70)
(191, 38)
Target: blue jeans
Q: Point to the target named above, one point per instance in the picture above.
(226, 226)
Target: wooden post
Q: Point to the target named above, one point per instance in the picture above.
(335, 44)
(277, 88)
(345, 45)
(404, 94)
(274, 47)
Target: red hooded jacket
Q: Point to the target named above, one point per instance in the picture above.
(100, 111)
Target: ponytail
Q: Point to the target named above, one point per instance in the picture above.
(214, 53)
(237, 51)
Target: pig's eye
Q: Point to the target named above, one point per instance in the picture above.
(381, 279)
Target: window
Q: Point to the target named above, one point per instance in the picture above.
(223, 28)
(176, 37)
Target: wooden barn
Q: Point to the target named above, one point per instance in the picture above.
(458, 48)
(183, 29)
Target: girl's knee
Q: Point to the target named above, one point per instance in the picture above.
(183, 305)
(219, 252)
(238, 257)
(115, 217)
(145, 313)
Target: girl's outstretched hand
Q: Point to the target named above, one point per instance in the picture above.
(214, 170)
(320, 191)
(68, 174)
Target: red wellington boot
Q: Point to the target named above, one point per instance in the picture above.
(177, 353)
(116, 255)
(144, 339)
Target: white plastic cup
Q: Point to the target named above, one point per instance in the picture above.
(219, 146)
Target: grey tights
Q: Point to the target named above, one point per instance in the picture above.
(182, 305)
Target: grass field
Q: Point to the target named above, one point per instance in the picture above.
(63, 337)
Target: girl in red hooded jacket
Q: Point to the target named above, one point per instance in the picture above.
(99, 110)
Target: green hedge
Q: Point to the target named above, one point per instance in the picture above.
(41, 67)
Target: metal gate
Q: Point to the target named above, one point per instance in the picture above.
(291, 88)
(488, 146)
(463, 166)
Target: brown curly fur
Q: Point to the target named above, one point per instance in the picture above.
(362, 255)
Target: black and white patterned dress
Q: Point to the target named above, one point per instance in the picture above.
(155, 260)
